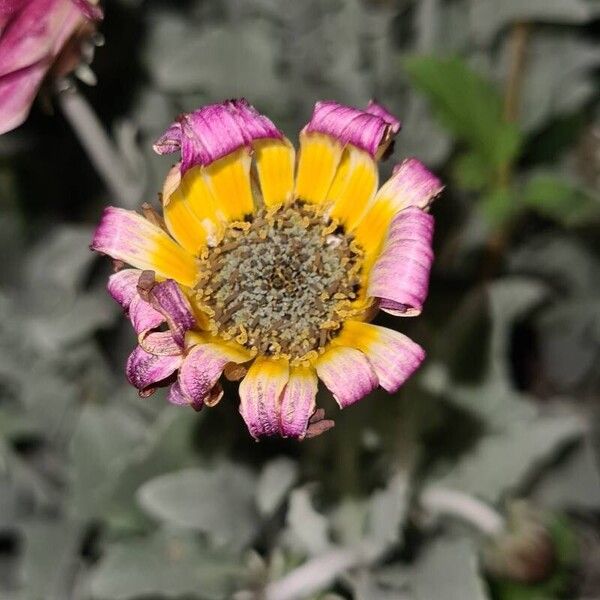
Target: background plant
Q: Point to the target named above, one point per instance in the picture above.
(106, 496)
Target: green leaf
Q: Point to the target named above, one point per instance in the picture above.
(499, 206)
(558, 199)
(170, 565)
(468, 106)
(218, 501)
(471, 172)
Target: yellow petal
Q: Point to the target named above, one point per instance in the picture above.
(127, 236)
(354, 186)
(372, 229)
(320, 156)
(228, 180)
(202, 203)
(235, 352)
(275, 165)
(183, 224)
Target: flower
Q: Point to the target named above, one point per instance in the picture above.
(269, 271)
(35, 37)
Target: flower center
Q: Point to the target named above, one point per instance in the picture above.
(281, 283)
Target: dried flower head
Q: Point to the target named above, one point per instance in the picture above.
(269, 270)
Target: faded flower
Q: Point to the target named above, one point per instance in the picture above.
(269, 269)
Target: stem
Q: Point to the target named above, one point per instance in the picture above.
(102, 152)
(467, 508)
(517, 49)
(318, 573)
(519, 38)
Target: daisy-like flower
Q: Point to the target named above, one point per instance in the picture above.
(268, 269)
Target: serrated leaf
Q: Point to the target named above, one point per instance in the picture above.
(169, 565)
(218, 501)
(468, 106)
(276, 479)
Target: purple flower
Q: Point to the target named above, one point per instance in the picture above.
(37, 36)
(268, 269)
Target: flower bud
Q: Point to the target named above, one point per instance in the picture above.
(525, 552)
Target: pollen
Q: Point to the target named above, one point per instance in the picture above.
(281, 283)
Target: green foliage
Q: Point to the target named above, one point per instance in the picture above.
(469, 106)
(558, 199)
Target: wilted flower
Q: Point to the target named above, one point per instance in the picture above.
(35, 37)
(270, 271)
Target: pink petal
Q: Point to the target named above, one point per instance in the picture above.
(260, 395)
(347, 373)
(400, 277)
(393, 356)
(214, 131)
(200, 372)
(412, 184)
(8, 10)
(89, 9)
(29, 36)
(145, 370)
(122, 286)
(160, 343)
(168, 299)
(375, 108)
(350, 125)
(298, 402)
(176, 396)
(143, 316)
(17, 93)
(127, 236)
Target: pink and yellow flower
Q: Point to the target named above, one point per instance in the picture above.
(268, 267)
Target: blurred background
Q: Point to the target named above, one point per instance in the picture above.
(478, 480)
